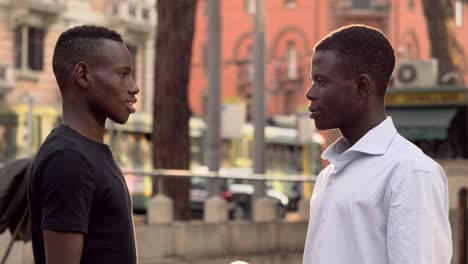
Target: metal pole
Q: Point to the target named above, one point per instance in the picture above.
(259, 95)
(30, 99)
(214, 89)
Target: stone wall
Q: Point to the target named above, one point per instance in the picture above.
(196, 242)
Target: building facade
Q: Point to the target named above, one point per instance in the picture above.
(292, 29)
(409, 34)
(29, 30)
(30, 101)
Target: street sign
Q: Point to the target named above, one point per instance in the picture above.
(232, 120)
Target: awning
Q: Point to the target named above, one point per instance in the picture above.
(422, 123)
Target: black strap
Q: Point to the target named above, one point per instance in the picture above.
(15, 234)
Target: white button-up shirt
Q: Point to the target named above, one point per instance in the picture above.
(380, 201)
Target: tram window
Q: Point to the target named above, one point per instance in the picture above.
(270, 155)
(145, 147)
(137, 152)
(298, 158)
(196, 154)
(249, 149)
(226, 153)
(3, 143)
(276, 155)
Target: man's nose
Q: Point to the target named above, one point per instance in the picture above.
(134, 88)
(310, 94)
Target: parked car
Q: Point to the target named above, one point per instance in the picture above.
(197, 195)
(238, 196)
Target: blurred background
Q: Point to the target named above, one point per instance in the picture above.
(222, 111)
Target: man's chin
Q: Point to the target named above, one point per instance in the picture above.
(120, 120)
(322, 127)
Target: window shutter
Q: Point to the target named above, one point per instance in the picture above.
(36, 48)
(18, 46)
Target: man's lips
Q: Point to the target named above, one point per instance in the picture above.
(314, 112)
(132, 100)
(130, 104)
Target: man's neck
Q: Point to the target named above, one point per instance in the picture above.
(81, 120)
(357, 130)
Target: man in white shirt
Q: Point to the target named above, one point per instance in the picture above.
(381, 200)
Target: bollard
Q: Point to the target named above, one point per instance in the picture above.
(215, 210)
(304, 209)
(264, 209)
(160, 210)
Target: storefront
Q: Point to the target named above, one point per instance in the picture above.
(435, 119)
(18, 138)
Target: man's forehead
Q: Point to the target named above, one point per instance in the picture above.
(318, 59)
(325, 61)
(325, 55)
(109, 51)
(108, 45)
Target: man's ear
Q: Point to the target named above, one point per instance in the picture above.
(81, 74)
(363, 85)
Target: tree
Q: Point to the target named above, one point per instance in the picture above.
(441, 27)
(171, 141)
(444, 46)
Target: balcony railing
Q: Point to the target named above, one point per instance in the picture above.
(134, 17)
(45, 7)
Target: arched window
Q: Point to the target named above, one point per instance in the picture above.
(292, 68)
(245, 70)
(410, 48)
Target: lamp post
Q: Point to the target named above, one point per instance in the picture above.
(214, 88)
(29, 122)
(259, 94)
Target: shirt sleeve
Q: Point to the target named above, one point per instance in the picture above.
(418, 228)
(67, 189)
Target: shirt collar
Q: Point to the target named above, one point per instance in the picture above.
(374, 142)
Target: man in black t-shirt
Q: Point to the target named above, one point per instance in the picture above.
(80, 206)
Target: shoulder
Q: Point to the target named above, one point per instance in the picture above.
(324, 173)
(412, 165)
(60, 146)
(59, 161)
(410, 158)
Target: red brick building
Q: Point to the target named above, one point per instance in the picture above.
(409, 34)
(292, 29)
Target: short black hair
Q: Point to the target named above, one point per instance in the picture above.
(77, 44)
(364, 50)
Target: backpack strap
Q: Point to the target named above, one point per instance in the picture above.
(21, 221)
(15, 234)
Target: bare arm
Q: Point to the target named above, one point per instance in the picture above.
(63, 247)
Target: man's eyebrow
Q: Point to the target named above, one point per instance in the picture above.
(318, 75)
(126, 68)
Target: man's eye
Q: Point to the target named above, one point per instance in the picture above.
(320, 82)
(122, 75)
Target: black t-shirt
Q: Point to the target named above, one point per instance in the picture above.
(76, 186)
